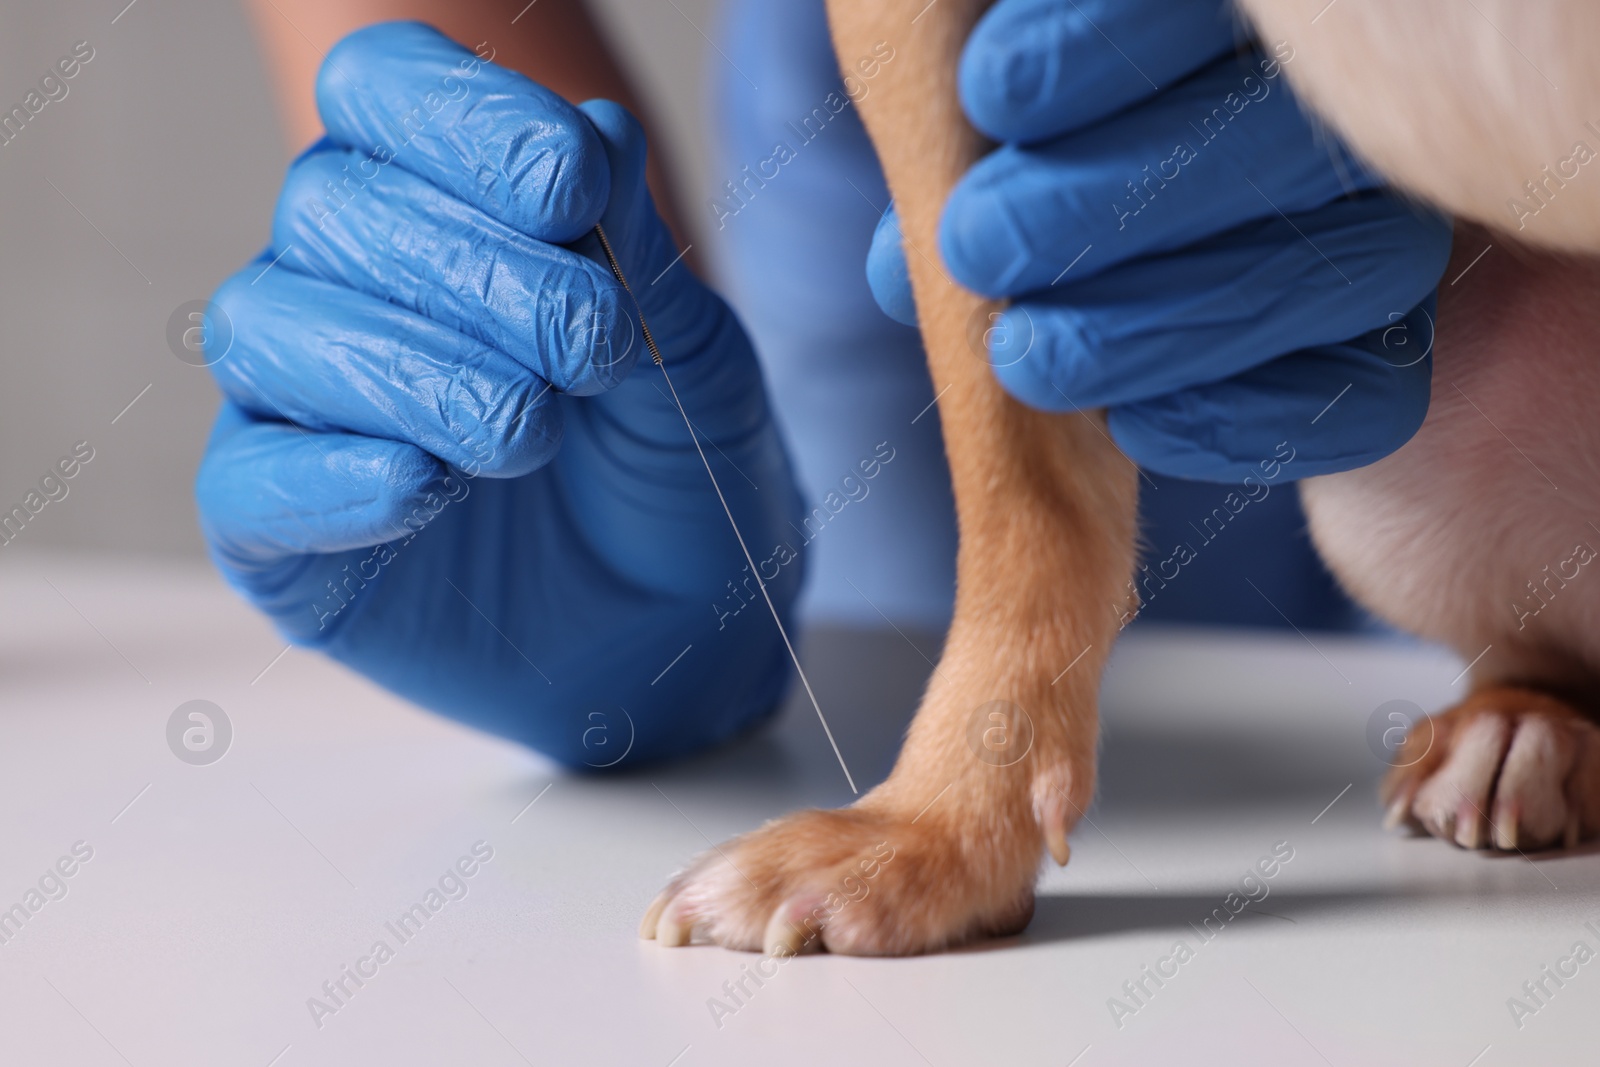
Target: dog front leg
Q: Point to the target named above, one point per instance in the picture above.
(999, 763)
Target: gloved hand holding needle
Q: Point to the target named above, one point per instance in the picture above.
(433, 462)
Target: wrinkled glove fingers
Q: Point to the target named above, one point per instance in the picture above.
(1184, 166)
(1171, 322)
(385, 232)
(487, 135)
(327, 358)
(1325, 409)
(268, 491)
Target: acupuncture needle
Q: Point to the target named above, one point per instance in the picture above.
(655, 355)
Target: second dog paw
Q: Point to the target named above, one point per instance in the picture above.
(1508, 768)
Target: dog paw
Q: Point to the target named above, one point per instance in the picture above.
(1508, 768)
(868, 880)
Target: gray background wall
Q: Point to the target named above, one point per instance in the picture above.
(147, 184)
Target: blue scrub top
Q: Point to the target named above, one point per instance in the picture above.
(799, 194)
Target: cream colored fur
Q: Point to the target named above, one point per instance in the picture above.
(1463, 102)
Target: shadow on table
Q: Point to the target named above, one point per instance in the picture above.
(1077, 917)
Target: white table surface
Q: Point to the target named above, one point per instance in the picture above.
(220, 898)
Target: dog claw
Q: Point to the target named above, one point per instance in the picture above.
(673, 932)
(1469, 827)
(1050, 801)
(794, 928)
(783, 937)
(1399, 814)
(652, 916)
(1505, 828)
(1056, 839)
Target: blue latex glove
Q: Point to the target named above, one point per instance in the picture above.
(1180, 245)
(436, 460)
